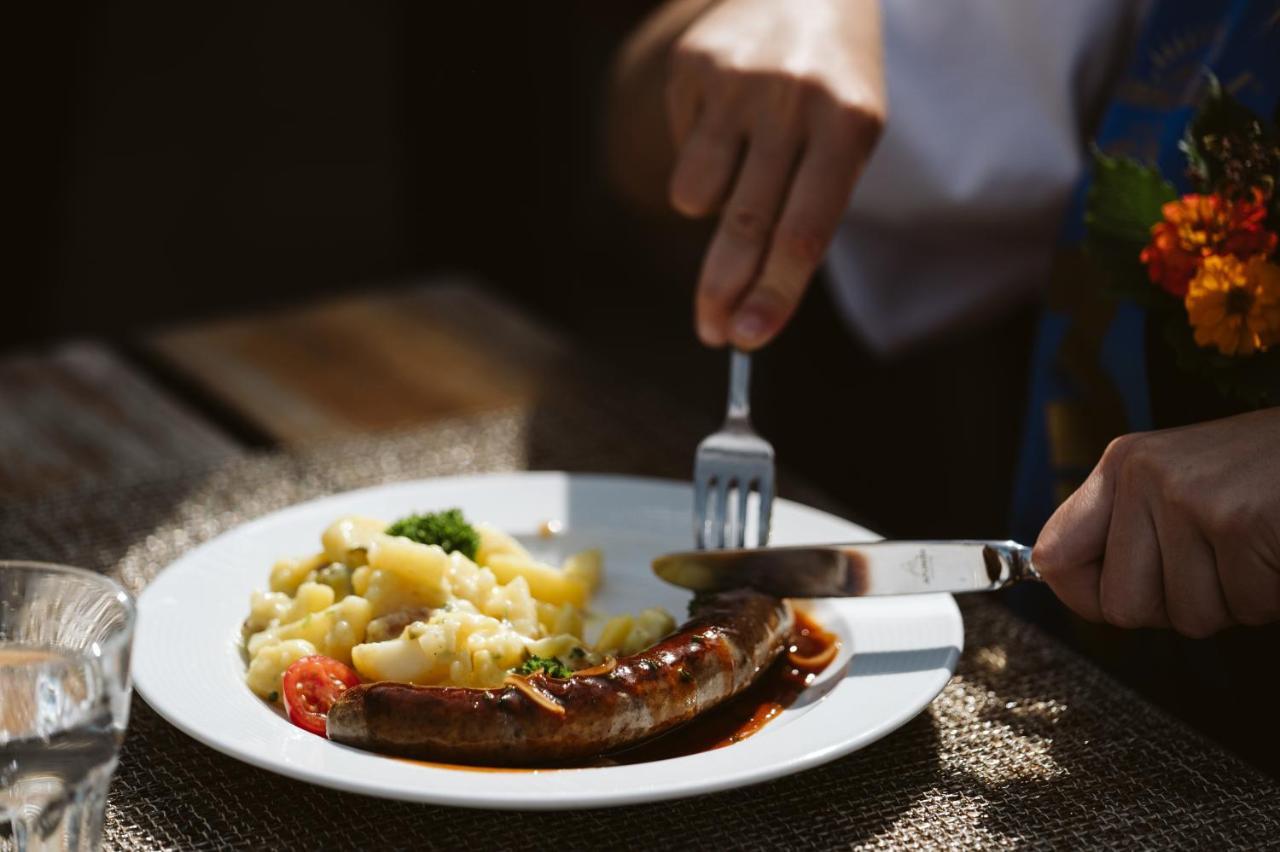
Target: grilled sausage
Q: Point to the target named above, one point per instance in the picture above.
(731, 638)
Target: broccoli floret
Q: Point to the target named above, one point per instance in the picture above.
(448, 529)
(551, 667)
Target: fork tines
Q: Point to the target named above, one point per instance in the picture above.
(722, 501)
(730, 466)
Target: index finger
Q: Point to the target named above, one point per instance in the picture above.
(815, 204)
(1069, 551)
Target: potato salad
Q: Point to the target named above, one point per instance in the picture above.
(433, 600)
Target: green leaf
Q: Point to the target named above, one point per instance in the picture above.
(1125, 200)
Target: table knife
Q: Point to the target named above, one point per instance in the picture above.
(853, 570)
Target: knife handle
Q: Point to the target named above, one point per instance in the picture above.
(1008, 562)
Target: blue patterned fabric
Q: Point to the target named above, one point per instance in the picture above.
(1239, 42)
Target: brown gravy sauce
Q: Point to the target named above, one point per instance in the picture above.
(731, 722)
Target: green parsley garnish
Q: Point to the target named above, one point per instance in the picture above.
(550, 667)
(447, 529)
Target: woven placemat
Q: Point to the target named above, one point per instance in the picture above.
(1029, 745)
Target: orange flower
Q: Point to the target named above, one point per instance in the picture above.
(1198, 226)
(1234, 305)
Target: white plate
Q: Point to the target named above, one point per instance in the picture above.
(188, 666)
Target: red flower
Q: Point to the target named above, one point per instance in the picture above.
(1248, 235)
(1199, 226)
(1168, 263)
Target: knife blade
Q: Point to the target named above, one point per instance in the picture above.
(853, 570)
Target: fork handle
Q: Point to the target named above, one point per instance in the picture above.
(739, 386)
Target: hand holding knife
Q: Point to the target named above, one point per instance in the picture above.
(854, 570)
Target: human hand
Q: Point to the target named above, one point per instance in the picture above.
(774, 107)
(1175, 528)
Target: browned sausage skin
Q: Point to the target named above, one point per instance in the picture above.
(730, 639)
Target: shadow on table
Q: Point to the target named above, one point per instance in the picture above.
(1046, 733)
(110, 527)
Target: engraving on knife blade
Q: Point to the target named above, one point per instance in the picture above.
(922, 567)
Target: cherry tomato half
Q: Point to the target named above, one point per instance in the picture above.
(311, 685)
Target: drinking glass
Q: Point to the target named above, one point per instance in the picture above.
(65, 636)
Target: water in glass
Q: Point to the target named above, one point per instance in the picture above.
(64, 643)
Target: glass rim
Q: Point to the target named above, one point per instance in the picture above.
(116, 591)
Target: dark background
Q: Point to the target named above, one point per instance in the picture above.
(185, 159)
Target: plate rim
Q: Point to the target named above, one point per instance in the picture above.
(549, 799)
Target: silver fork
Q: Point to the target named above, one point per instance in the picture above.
(729, 466)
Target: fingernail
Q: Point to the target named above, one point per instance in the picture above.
(749, 325)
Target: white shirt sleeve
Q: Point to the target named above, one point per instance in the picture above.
(957, 213)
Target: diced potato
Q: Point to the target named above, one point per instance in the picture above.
(360, 580)
(404, 575)
(469, 581)
(399, 659)
(547, 615)
(311, 597)
(489, 667)
(347, 540)
(458, 646)
(268, 665)
(336, 576)
(463, 622)
(494, 541)
(648, 627)
(351, 616)
(387, 593)
(288, 574)
(504, 649)
(547, 583)
(586, 567)
(437, 640)
(333, 631)
(614, 634)
(568, 620)
(560, 646)
(422, 565)
(514, 604)
(264, 609)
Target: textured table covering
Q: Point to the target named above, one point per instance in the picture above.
(1029, 745)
